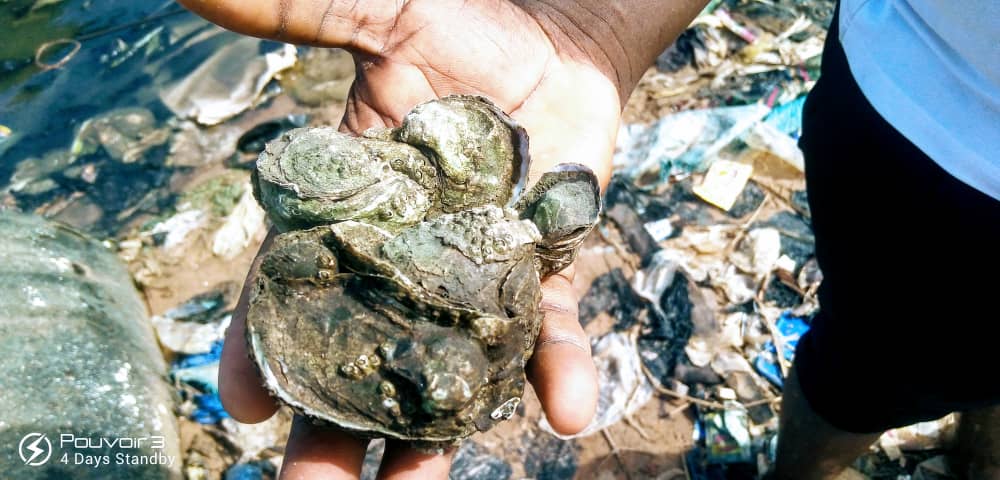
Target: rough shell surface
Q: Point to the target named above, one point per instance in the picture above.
(448, 155)
(402, 298)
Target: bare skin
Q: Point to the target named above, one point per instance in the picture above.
(560, 68)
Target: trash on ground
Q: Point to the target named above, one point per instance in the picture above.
(124, 134)
(243, 224)
(611, 293)
(703, 283)
(726, 435)
(723, 183)
(195, 372)
(759, 251)
(190, 334)
(251, 471)
(769, 362)
(228, 82)
(681, 143)
(930, 435)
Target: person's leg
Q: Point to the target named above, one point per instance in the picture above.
(977, 445)
(809, 448)
(898, 241)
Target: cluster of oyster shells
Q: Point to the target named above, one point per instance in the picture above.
(401, 298)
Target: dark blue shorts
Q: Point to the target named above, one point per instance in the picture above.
(910, 302)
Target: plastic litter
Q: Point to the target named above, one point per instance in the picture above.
(257, 440)
(787, 118)
(727, 435)
(208, 409)
(244, 223)
(198, 324)
(789, 329)
(631, 227)
(228, 82)
(758, 252)
(766, 138)
(676, 306)
(738, 287)
(176, 228)
(930, 435)
(251, 471)
(611, 293)
(195, 370)
(650, 282)
(683, 142)
(660, 229)
(723, 183)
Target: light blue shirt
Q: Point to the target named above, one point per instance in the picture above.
(932, 69)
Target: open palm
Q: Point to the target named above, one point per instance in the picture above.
(530, 62)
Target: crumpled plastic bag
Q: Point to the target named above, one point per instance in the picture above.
(684, 142)
(228, 82)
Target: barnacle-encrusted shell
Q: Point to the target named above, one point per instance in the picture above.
(402, 299)
(448, 155)
(316, 176)
(564, 205)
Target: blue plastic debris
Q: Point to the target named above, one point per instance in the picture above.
(200, 308)
(791, 329)
(203, 377)
(788, 117)
(198, 359)
(257, 470)
(208, 409)
(200, 371)
(767, 366)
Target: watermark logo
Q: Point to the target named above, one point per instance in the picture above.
(97, 452)
(35, 449)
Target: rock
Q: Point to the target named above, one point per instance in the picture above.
(81, 365)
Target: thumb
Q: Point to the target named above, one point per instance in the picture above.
(561, 370)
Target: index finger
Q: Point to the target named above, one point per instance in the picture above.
(241, 388)
(332, 23)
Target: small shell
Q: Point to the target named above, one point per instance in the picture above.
(565, 205)
(481, 153)
(317, 176)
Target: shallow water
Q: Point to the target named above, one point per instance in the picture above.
(129, 52)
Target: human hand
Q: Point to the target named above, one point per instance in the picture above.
(555, 67)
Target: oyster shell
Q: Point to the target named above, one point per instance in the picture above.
(448, 155)
(402, 298)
